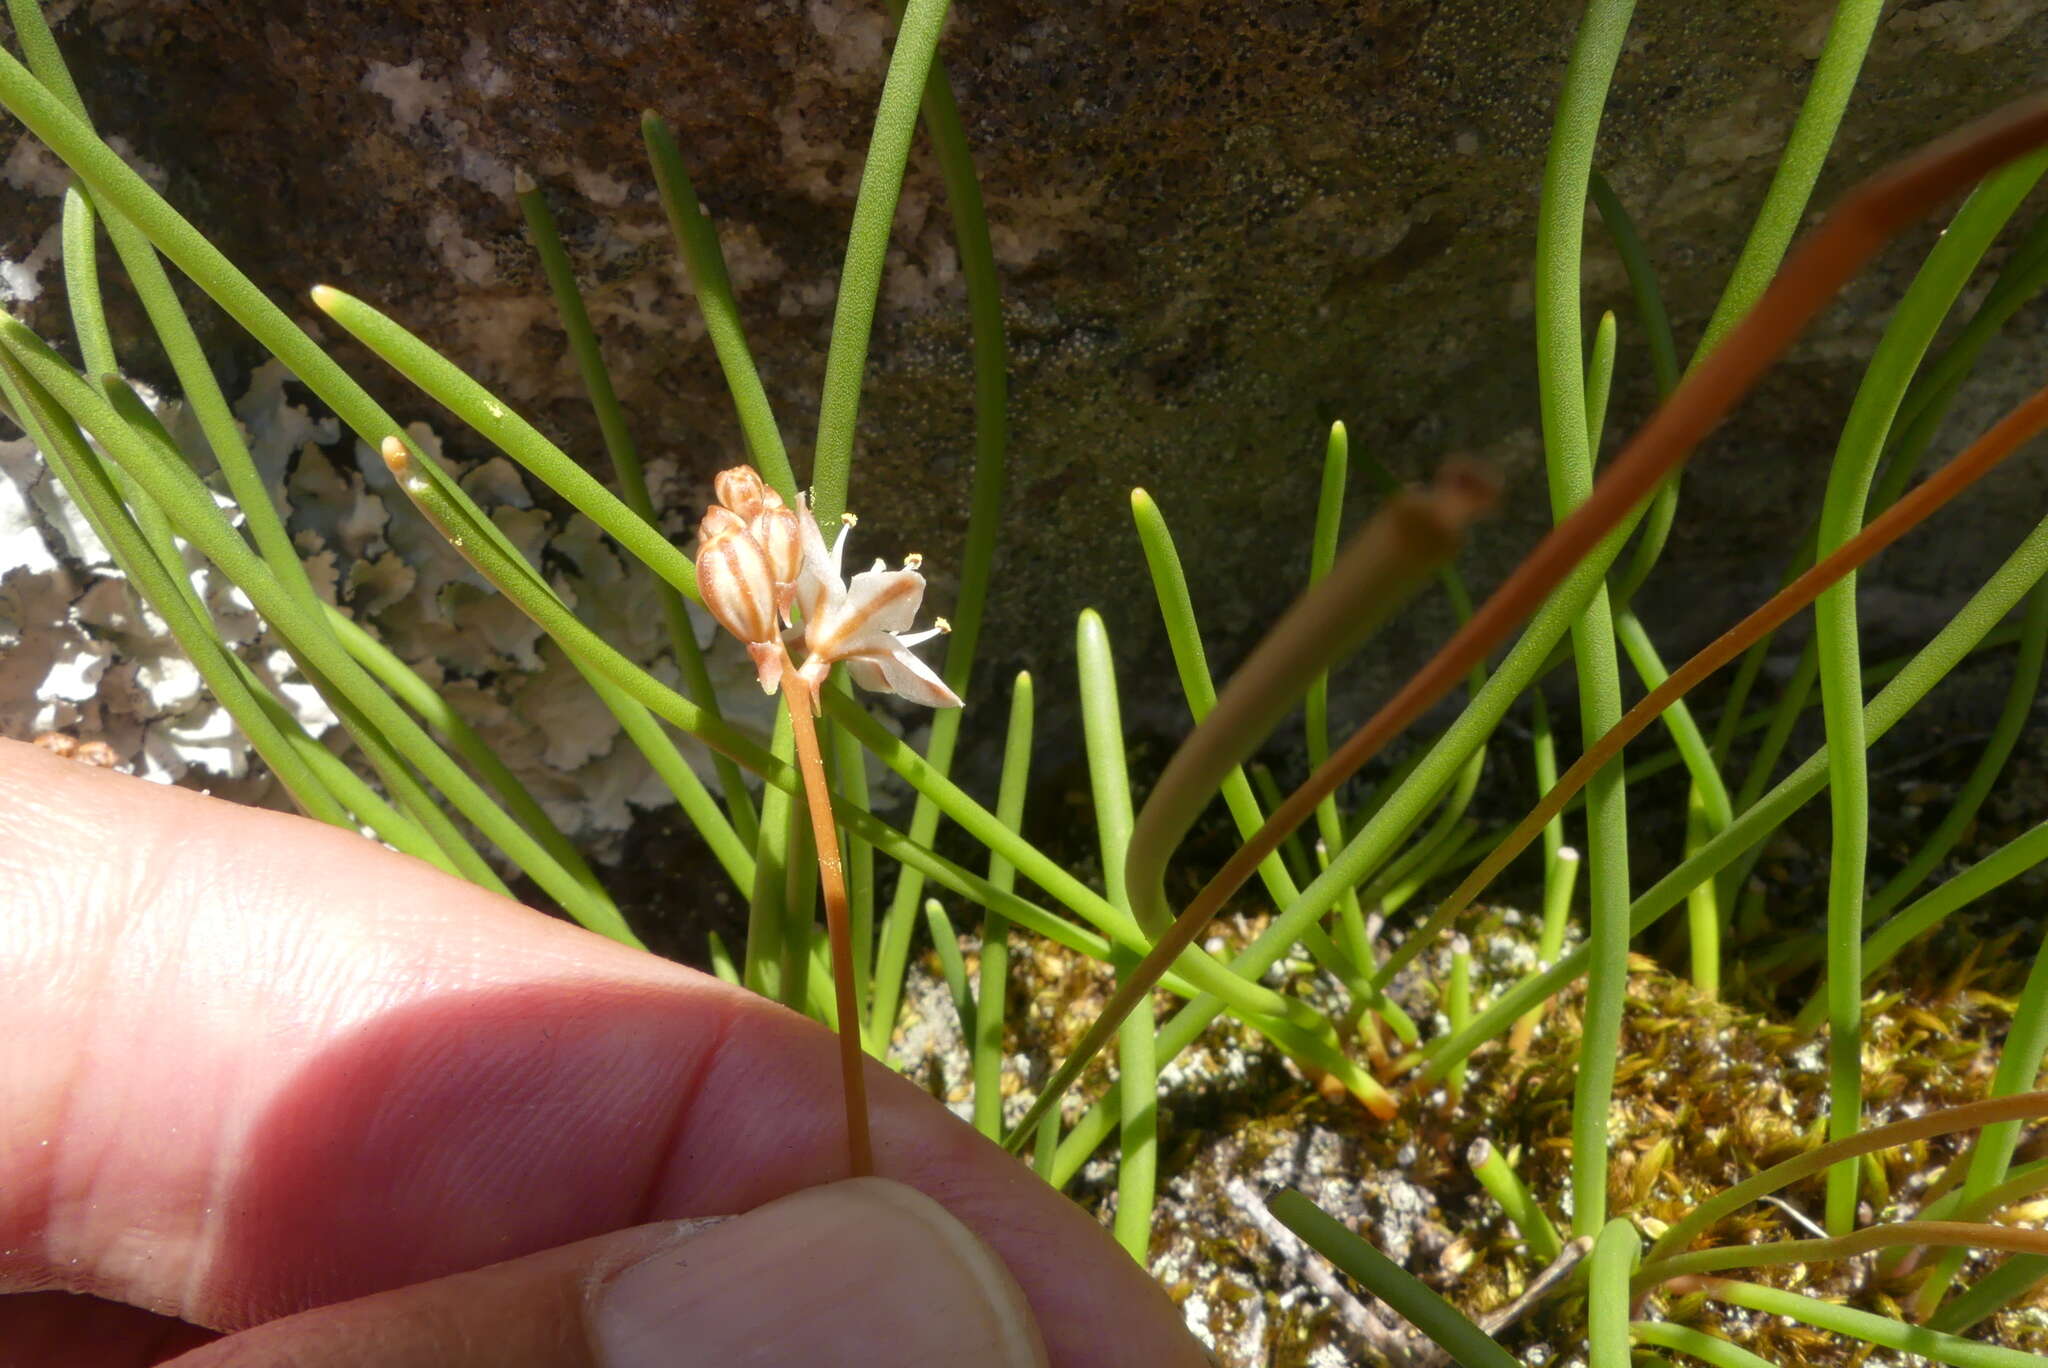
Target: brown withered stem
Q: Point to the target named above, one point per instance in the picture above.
(2018, 427)
(1412, 535)
(1826, 260)
(1861, 224)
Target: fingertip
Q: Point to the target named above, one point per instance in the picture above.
(865, 1271)
(524, 1313)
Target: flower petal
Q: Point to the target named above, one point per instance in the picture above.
(885, 600)
(817, 582)
(717, 521)
(905, 675)
(769, 658)
(778, 531)
(865, 672)
(858, 623)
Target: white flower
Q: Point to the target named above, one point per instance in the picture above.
(758, 560)
(865, 623)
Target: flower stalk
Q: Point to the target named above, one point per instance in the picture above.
(759, 563)
(803, 706)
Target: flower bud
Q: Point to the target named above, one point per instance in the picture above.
(737, 585)
(742, 490)
(777, 533)
(718, 520)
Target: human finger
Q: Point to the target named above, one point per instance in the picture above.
(277, 1067)
(865, 1272)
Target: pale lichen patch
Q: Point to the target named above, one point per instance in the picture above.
(411, 94)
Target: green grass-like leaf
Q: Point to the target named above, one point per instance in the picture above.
(1415, 1302)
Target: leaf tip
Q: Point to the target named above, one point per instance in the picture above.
(1467, 488)
(398, 457)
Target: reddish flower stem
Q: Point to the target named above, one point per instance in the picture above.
(802, 697)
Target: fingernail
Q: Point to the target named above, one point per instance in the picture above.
(864, 1271)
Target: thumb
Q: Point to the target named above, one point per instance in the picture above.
(860, 1272)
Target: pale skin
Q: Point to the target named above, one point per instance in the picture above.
(250, 1064)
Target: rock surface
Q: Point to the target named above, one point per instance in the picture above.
(1218, 230)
